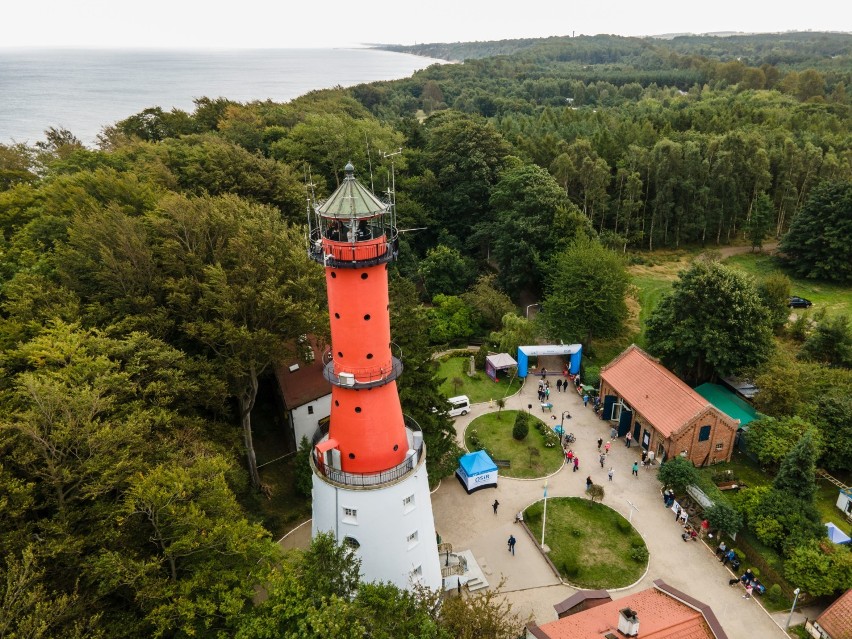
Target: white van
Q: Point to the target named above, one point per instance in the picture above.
(459, 405)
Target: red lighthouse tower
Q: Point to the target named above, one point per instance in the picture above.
(370, 487)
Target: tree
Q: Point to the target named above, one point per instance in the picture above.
(488, 303)
(585, 298)
(242, 286)
(516, 332)
(451, 320)
(817, 246)
(521, 427)
(830, 342)
(525, 201)
(197, 570)
(482, 614)
(796, 475)
(445, 271)
(712, 323)
(722, 517)
(304, 475)
(678, 473)
(775, 291)
(761, 221)
(783, 521)
(818, 572)
(771, 439)
(833, 417)
(596, 492)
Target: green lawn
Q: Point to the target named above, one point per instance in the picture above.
(836, 299)
(479, 388)
(494, 431)
(590, 544)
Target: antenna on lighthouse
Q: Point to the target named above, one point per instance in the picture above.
(392, 187)
(369, 162)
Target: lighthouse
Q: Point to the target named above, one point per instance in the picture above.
(370, 488)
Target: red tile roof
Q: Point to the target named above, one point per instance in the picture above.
(837, 618)
(653, 390)
(663, 613)
(306, 383)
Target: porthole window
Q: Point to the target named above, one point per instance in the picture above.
(337, 316)
(396, 446)
(333, 275)
(357, 409)
(336, 403)
(351, 455)
(367, 317)
(339, 354)
(364, 276)
(369, 356)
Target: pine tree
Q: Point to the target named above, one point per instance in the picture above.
(796, 475)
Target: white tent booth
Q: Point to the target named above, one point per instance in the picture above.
(476, 471)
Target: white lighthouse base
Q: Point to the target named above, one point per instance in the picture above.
(391, 527)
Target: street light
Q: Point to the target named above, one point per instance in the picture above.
(632, 508)
(795, 599)
(529, 307)
(562, 427)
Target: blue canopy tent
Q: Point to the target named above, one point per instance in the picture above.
(476, 470)
(574, 351)
(836, 535)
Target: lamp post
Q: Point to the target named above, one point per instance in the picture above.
(528, 309)
(632, 508)
(795, 599)
(562, 427)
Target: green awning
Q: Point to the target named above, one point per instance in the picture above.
(728, 402)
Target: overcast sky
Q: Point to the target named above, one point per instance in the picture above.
(330, 23)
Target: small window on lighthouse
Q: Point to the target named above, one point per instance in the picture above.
(417, 573)
(412, 539)
(408, 503)
(350, 516)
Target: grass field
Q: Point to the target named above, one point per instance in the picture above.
(479, 388)
(590, 544)
(494, 431)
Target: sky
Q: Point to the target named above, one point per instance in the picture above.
(339, 23)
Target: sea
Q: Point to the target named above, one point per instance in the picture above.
(85, 90)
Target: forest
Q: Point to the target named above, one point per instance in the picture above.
(149, 285)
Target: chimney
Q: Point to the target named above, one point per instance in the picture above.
(628, 622)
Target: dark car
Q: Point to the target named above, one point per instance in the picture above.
(799, 302)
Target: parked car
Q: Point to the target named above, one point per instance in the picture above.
(799, 302)
(459, 405)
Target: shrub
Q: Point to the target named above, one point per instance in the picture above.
(479, 358)
(521, 427)
(774, 593)
(636, 542)
(623, 525)
(639, 555)
(570, 567)
(576, 532)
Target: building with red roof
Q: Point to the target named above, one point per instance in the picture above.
(663, 414)
(836, 621)
(304, 391)
(661, 612)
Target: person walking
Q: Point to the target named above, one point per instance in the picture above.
(558, 385)
(576, 463)
(684, 516)
(547, 392)
(512, 544)
(613, 433)
(747, 594)
(494, 506)
(606, 447)
(677, 511)
(610, 473)
(585, 400)
(600, 442)
(602, 459)
(589, 482)
(627, 438)
(635, 469)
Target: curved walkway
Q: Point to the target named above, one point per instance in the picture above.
(467, 521)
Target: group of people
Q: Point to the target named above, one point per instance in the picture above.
(544, 390)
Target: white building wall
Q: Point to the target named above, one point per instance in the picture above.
(384, 523)
(304, 423)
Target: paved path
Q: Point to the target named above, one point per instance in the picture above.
(467, 521)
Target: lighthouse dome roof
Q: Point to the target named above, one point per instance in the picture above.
(351, 200)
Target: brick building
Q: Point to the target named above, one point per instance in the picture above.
(664, 415)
